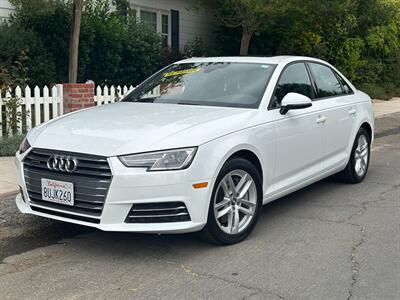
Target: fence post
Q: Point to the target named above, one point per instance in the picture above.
(18, 119)
(106, 95)
(46, 103)
(112, 93)
(119, 92)
(77, 96)
(99, 97)
(36, 92)
(9, 132)
(28, 110)
(60, 102)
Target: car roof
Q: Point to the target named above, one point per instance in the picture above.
(250, 59)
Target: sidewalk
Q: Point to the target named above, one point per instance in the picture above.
(8, 181)
(382, 108)
(8, 185)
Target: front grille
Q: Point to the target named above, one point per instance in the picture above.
(158, 213)
(91, 180)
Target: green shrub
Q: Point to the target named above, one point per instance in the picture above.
(382, 91)
(9, 145)
(197, 48)
(142, 53)
(14, 41)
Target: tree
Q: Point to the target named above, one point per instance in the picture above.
(249, 15)
(74, 41)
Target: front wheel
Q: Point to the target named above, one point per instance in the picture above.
(357, 167)
(235, 203)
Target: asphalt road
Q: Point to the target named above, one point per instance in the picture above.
(327, 241)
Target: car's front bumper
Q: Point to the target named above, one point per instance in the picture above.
(133, 186)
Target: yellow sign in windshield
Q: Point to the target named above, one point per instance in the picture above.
(182, 72)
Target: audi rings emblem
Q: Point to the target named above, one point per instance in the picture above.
(62, 163)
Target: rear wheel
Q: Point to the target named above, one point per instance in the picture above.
(357, 167)
(235, 203)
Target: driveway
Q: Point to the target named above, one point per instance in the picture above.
(327, 241)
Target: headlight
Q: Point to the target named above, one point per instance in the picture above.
(175, 159)
(24, 146)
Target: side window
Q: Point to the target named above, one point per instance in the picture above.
(294, 79)
(326, 81)
(346, 88)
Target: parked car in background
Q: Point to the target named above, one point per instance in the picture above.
(199, 146)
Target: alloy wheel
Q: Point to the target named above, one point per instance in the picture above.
(235, 202)
(361, 156)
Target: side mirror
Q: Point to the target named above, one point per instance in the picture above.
(294, 101)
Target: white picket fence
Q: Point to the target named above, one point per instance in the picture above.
(111, 94)
(45, 104)
(37, 107)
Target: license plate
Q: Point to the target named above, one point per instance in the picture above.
(58, 191)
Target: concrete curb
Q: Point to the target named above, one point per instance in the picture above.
(387, 125)
(9, 194)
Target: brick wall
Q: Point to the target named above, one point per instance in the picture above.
(78, 96)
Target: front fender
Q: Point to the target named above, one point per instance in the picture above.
(260, 142)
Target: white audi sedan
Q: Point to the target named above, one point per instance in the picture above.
(199, 146)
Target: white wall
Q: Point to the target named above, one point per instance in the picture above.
(5, 9)
(191, 23)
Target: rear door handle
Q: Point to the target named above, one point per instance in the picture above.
(321, 119)
(352, 111)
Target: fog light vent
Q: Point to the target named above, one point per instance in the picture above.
(21, 191)
(163, 212)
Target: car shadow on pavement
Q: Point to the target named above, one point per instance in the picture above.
(30, 232)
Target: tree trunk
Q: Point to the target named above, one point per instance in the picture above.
(74, 41)
(244, 45)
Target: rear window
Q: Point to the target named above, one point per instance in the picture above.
(326, 81)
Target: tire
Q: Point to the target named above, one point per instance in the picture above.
(359, 158)
(244, 204)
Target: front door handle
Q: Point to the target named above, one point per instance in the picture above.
(321, 119)
(352, 111)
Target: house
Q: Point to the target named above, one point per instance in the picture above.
(5, 9)
(173, 19)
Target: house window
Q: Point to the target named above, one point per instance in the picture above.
(157, 19)
(164, 29)
(149, 18)
(132, 12)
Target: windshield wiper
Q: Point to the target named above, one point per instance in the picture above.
(147, 100)
(187, 103)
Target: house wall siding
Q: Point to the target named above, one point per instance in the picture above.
(5, 9)
(192, 24)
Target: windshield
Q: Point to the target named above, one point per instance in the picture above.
(208, 83)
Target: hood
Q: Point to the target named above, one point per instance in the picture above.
(124, 128)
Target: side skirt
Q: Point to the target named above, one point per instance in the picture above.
(279, 194)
